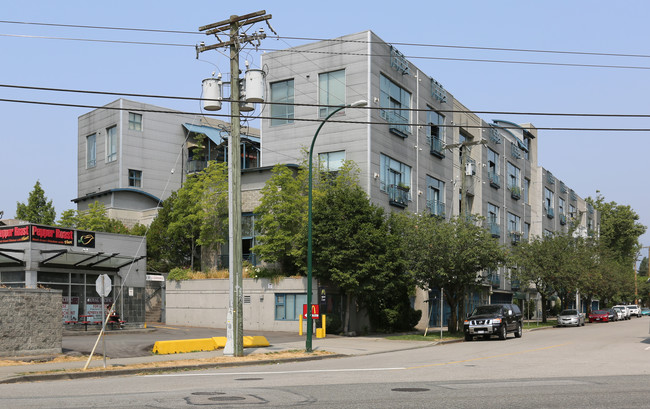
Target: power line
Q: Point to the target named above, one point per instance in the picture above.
(162, 111)
(339, 40)
(449, 111)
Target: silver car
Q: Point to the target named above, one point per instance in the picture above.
(570, 318)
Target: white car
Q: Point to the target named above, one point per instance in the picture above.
(634, 310)
(620, 313)
(626, 310)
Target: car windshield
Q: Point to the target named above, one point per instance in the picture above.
(486, 309)
(569, 312)
(599, 312)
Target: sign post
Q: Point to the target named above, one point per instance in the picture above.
(103, 287)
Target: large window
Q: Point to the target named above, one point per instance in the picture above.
(548, 203)
(331, 161)
(436, 132)
(111, 144)
(331, 91)
(135, 121)
(135, 178)
(288, 307)
(91, 151)
(493, 219)
(395, 103)
(493, 168)
(436, 196)
(514, 223)
(281, 94)
(394, 173)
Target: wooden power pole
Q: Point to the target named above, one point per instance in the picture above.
(232, 26)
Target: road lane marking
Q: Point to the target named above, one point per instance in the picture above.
(488, 357)
(280, 372)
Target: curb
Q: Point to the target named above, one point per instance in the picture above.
(144, 371)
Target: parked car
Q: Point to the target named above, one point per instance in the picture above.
(613, 315)
(494, 319)
(599, 316)
(570, 317)
(620, 314)
(645, 311)
(634, 310)
(625, 310)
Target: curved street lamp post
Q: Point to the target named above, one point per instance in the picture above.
(309, 240)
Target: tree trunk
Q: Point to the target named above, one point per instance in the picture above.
(452, 323)
(346, 322)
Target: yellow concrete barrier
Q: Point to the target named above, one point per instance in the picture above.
(204, 344)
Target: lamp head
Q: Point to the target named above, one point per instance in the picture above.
(360, 103)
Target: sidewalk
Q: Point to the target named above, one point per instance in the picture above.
(338, 346)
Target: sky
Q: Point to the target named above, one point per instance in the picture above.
(38, 141)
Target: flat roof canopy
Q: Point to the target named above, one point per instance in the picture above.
(86, 260)
(15, 259)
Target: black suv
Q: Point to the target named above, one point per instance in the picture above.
(494, 319)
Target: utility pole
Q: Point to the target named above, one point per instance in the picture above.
(235, 322)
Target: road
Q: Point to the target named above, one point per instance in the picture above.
(597, 366)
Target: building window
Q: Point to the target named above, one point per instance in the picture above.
(436, 133)
(135, 178)
(526, 190)
(91, 151)
(288, 307)
(395, 179)
(395, 103)
(282, 98)
(331, 161)
(572, 211)
(514, 223)
(135, 121)
(526, 230)
(435, 196)
(331, 88)
(548, 203)
(111, 144)
(514, 183)
(249, 237)
(493, 168)
(493, 220)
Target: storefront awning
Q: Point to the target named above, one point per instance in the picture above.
(86, 260)
(11, 258)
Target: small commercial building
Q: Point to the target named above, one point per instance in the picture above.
(72, 261)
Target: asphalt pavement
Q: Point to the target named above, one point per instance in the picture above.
(129, 347)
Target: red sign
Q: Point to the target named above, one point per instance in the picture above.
(314, 311)
(53, 235)
(14, 234)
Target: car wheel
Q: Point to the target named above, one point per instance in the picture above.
(503, 333)
(468, 337)
(519, 331)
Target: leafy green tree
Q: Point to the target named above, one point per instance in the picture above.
(352, 249)
(281, 219)
(450, 255)
(38, 209)
(94, 219)
(167, 250)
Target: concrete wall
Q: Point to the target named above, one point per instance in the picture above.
(204, 303)
(30, 322)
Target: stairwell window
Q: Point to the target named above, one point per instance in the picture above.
(135, 121)
(111, 144)
(331, 91)
(282, 93)
(91, 151)
(135, 178)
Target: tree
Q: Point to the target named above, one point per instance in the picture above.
(353, 249)
(165, 249)
(281, 219)
(450, 255)
(94, 219)
(38, 209)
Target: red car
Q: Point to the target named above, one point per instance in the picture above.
(599, 316)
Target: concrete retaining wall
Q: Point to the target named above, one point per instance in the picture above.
(30, 321)
(204, 303)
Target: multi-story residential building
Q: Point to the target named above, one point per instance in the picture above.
(132, 156)
(418, 148)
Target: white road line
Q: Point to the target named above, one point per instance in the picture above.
(279, 372)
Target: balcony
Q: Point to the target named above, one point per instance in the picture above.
(515, 192)
(437, 148)
(562, 219)
(398, 124)
(436, 208)
(494, 179)
(495, 229)
(550, 213)
(515, 237)
(398, 195)
(515, 284)
(194, 166)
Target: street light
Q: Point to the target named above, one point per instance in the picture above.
(311, 151)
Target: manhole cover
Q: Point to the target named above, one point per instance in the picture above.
(409, 389)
